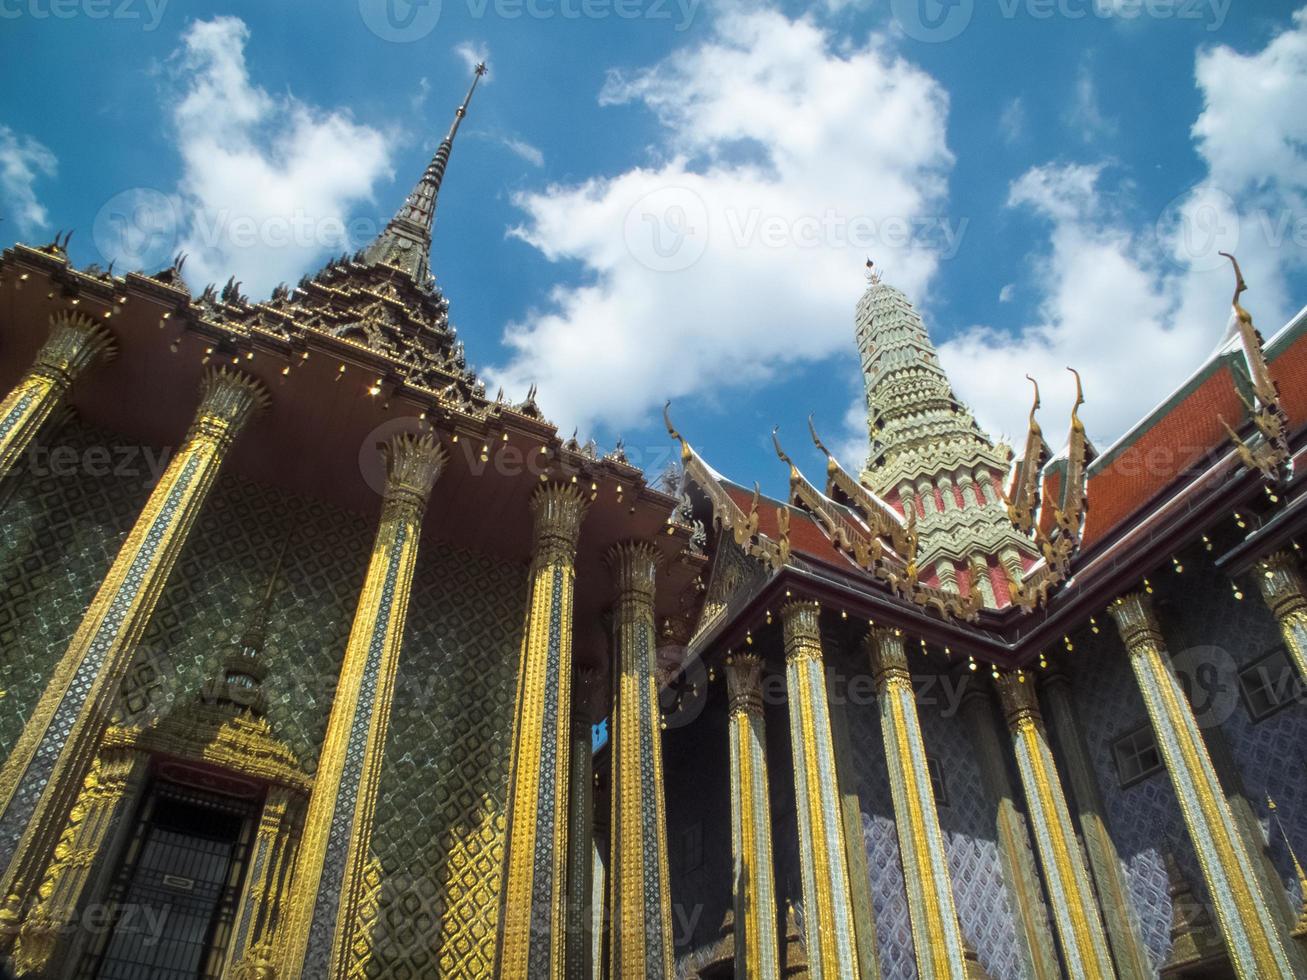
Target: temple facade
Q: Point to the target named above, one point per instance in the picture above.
(317, 661)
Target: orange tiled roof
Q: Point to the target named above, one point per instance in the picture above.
(1164, 446)
(1289, 371)
(1050, 496)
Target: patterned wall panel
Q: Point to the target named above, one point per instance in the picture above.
(1211, 634)
(220, 579)
(439, 830)
(1143, 819)
(1204, 622)
(985, 907)
(63, 519)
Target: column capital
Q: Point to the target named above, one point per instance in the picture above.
(1017, 695)
(744, 683)
(75, 341)
(802, 629)
(1137, 623)
(228, 399)
(887, 652)
(558, 510)
(1280, 580)
(635, 565)
(413, 464)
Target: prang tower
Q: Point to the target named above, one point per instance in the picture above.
(928, 454)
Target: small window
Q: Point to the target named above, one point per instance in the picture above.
(692, 847)
(1137, 756)
(937, 781)
(1269, 684)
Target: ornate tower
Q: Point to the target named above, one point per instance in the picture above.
(927, 452)
(406, 241)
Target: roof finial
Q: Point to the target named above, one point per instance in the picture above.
(873, 274)
(406, 241)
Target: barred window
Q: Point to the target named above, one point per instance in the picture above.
(1269, 684)
(937, 781)
(1136, 754)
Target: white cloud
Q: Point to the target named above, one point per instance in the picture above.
(473, 54)
(525, 150)
(1137, 309)
(1007, 293)
(785, 158)
(1086, 114)
(418, 100)
(1012, 122)
(22, 161)
(268, 181)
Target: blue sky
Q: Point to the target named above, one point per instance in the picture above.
(659, 199)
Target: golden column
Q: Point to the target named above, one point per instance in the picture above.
(827, 899)
(1075, 912)
(334, 848)
(46, 769)
(75, 342)
(641, 890)
(532, 915)
(1281, 583)
(250, 953)
(936, 935)
(1247, 923)
(94, 826)
(757, 947)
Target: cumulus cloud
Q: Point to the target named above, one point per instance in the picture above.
(785, 158)
(1137, 308)
(23, 161)
(267, 181)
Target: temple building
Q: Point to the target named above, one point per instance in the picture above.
(317, 661)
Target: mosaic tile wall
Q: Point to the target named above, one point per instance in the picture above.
(980, 891)
(986, 908)
(889, 895)
(59, 532)
(220, 579)
(1143, 819)
(439, 831)
(1203, 621)
(1204, 625)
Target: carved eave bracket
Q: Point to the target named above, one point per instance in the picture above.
(726, 514)
(1023, 506)
(891, 558)
(881, 519)
(1268, 451)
